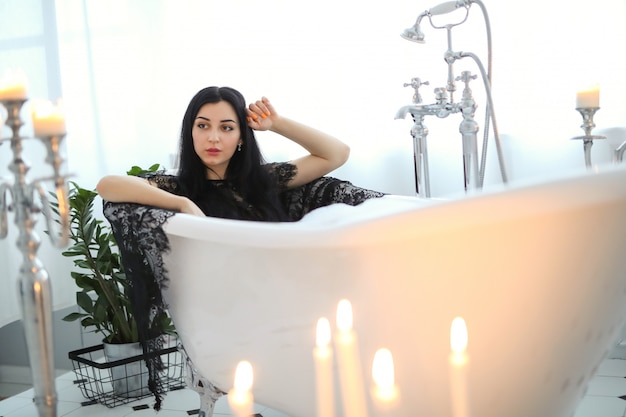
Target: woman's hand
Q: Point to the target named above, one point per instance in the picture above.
(261, 114)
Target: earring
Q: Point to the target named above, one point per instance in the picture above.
(239, 147)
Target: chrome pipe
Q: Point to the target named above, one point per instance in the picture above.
(419, 132)
(618, 155)
(492, 115)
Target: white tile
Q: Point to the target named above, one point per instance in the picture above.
(98, 410)
(64, 383)
(29, 410)
(12, 404)
(612, 367)
(600, 407)
(162, 413)
(222, 407)
(607, 386)
(601, 400)
(273, 413)
(183, 400)
(70, 393)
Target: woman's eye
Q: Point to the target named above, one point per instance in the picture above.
(201, 125)
(228, 128)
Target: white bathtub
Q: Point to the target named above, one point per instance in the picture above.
(537, 271)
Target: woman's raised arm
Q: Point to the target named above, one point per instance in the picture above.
(326, 152)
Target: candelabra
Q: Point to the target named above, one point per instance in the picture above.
(587, 126)
(33, 282)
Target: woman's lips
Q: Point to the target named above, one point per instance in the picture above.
(213, 151)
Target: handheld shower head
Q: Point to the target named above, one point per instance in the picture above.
(446, 7)
(414, 33)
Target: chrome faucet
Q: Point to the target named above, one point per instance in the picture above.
(444, 104)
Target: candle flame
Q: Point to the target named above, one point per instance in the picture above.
(243, 376)
(382, 369)
(589, 87)
(458, 335)
(344, 315)
(45, 108)
(322, 337)
(12, 77)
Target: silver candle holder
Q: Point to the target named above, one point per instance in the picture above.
(28, 199)
(587, 126)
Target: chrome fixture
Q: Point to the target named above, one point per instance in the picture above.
(474, 171)
(415, 33)
(587, 126)
(34, 283)
(618, 155)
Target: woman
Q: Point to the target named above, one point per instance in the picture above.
(222, 172)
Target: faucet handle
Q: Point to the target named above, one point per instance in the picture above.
(441, 95)
(416, 83)
(466, 77)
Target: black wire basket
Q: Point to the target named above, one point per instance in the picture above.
(125, 380)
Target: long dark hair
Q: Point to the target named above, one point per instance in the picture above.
(245, 171)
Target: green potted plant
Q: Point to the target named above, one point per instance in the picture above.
(104, 298)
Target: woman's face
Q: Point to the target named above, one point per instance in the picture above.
(216, 134)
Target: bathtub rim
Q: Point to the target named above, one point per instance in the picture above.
(503, 203)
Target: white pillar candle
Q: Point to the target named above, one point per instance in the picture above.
(240, 396)
(588, 97)
(349, 363)
(48, 119)
(458, 368)
(384, 390)
(323, 356)
(13, 85)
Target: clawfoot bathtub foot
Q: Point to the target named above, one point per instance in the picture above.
(208, 392)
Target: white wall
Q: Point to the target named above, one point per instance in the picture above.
(339, 66)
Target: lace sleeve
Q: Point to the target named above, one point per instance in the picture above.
(283, 172)
(142, 242)
(164, 181)
(323, 192)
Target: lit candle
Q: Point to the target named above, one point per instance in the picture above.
(13, 85)
(323, 356)
(588, 97)
(240, 396)
(48, 119)
(349, 363)
(458, 368)
(384, 391)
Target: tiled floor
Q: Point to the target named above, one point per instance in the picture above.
(606, 397)
(176, 404)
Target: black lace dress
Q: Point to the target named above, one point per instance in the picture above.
(142, 241)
